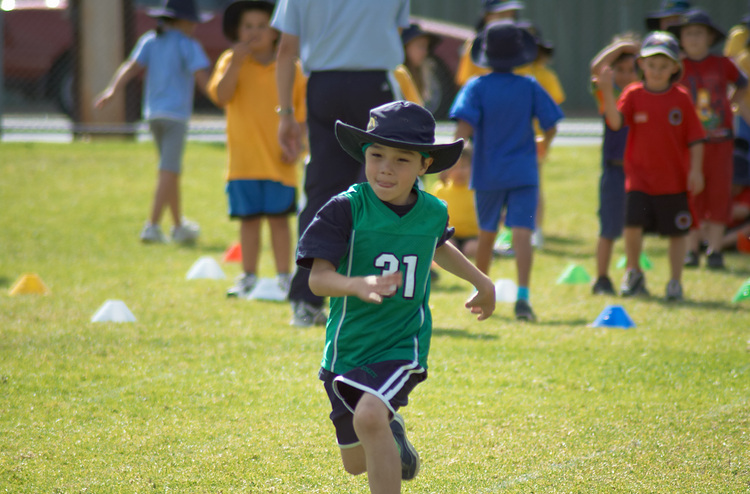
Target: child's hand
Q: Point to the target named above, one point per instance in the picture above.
(483, 301)
(241, 50)
(695, 182)
(373, 288)
(103, 99)
(605, 79)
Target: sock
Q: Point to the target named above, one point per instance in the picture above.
(523, 293)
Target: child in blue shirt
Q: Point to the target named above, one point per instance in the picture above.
(497, 111)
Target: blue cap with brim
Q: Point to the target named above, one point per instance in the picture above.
(502, 46)
(662, 43)
(180, 9)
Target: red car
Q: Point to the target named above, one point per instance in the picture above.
(38, 56)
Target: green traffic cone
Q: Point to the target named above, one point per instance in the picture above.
(574, 274)
(644, 261)
(743, 293)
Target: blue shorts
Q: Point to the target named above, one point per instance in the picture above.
(520, 204)
(251, 198)
(611, 201)
(391, 381)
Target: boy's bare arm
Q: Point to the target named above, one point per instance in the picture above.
(325, 281)
(464, 131)
(452, 260)
(695, 176)
(126, 71)
(605, 82)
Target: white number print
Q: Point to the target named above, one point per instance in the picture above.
(388, 263)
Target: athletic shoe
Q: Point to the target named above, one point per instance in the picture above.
(715, 260)
(306, 315)
(674, 291)
(409, 456)
(186, 233)
(523, 311)
(603, 286)
(633, 284)
(284, 280)
(152, 234)
(692, 259)
(243, 286)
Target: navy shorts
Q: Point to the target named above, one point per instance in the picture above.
(520, 204)
(391, 381)
(667, 215)
(252, 198)
(611, 201)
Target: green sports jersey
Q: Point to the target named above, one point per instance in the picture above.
(359, 333)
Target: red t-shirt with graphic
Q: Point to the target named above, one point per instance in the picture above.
(662, 127)
(708, 81)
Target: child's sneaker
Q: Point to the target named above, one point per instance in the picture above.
(409, 456)
(186, 233)
(152, 234)
(284, 280)
(305, 315)
(603, 286)
(715, 260)
(674, 291)
(633, 284)
(692, 259)
(243, 286)
(523, 311)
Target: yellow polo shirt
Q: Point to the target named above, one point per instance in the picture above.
(254, 152)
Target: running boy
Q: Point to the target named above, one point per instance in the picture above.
(620, 55)
(709, 78)
(261, 180)
(498, 110)
(663, 157)
(370, 249)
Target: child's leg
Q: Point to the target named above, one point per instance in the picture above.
(281, 239)
(524, 255)
(354, 460)
(167, 194)
(250, 244)
(372, 424)
(633, 242)
(677, 251)
(484, 250)
(604, 255)
(714, 235)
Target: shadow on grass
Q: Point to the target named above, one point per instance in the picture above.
(5, 282)
(718, 305)
(437, 287)
(462, 333)
(204, 248)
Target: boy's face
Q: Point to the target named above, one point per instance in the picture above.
(625, 72)
(657, 71)
(696, 40)
(255, 30)
(391, 172)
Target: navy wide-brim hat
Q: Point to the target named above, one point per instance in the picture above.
(700, 17)
(415, 31)
(503, 46)
(234, 11)
(668, 9)
(402, 125)
(542, 44)
(180, 9)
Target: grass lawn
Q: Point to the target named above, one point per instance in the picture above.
(205, 394)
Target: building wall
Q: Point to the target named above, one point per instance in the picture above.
(579, 29)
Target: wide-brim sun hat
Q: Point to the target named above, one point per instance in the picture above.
(415, 31)
(668, 9)
(662, 43)
(698, 17)
(494, 6)
(180, 9)
(402, 125)
(544, 45)
(503, 46)
(233, 13)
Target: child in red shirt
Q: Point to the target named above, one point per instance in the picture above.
(708, 77)
(663, 157)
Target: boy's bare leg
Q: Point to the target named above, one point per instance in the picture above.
(281, 241)
(250, 244)
(354, 460)
(633, 242)
(714, 235)
(604, 255)
(167, 194)
(524, 254)
(484, 251)
(677, 251)
(372, 425)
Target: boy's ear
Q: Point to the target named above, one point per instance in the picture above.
(426, 162)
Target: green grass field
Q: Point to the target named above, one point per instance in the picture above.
(205, 394)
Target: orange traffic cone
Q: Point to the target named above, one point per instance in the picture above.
(233, 253)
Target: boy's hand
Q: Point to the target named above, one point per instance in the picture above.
(373, 288)
(695, 182)
(241, 50)
(483, 301)
(605, 79)
(103, 99)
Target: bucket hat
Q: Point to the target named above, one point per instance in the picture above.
(415, 31)
(542, 44)
(700, 17)
(490, 6)
(180, 9)
(662, 43)
(668, 9)
(402, 125)
(502, 46)
(234, 11)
